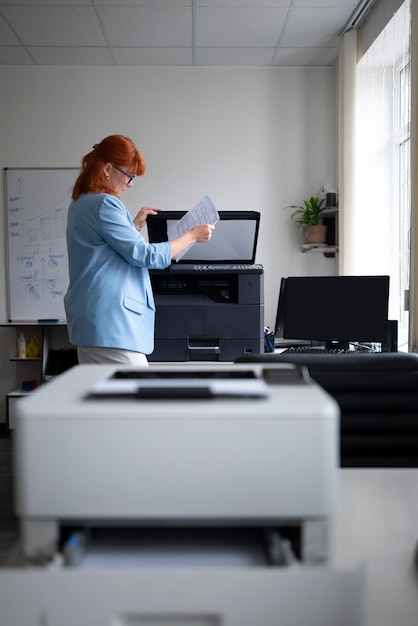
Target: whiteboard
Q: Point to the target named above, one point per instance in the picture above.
(37, 201)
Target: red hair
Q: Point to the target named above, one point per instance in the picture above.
(115, 149)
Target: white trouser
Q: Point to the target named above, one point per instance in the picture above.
(110, 355)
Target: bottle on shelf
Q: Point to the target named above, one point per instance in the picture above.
(21, 346)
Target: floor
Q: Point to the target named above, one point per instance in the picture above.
(8, 521)
(377, 525)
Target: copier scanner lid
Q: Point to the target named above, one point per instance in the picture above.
(234, 239)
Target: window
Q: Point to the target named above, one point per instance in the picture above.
(402, 187)
(381, 179)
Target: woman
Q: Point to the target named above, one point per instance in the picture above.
(109, 302)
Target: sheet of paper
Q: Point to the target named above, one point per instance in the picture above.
(234, 388)
(204, 212)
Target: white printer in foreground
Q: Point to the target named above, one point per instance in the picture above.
(179, 495)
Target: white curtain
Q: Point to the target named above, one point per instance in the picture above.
(372, 228)
(346, 125)
(413, 300)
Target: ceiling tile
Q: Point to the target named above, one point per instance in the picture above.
(7, 36)
(144, 3)
(14, 55)
(153, 56)
(71, 56)
(147, 26)
(55, 26)
(318, 4)
(241, 27)
(234, 57)
(247, 3)
(324, 27)
(305, 57)
(173, 32)
(58, 3)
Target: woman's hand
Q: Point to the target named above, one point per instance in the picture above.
(141, 218)
(197, 234)
(202, 233)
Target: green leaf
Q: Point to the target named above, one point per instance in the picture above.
(309, 214)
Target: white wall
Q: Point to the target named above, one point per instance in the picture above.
(253, 139)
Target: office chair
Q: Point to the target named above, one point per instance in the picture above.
(378, 398)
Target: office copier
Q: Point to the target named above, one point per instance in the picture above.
(210, 303)
(178, 495)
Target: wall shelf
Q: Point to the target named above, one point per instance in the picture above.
(329, 217)
(28, 369)
(328, 251)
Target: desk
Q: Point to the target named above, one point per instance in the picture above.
(377, 523)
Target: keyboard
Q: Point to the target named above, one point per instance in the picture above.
(313, 350)
(220, 268)
(234, 267)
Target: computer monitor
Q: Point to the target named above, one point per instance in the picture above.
(335, 310)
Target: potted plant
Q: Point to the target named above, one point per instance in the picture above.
(308, 217)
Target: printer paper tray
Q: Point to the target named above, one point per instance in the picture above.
(256, 596)
(152, 548)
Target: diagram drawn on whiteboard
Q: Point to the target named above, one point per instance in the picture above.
(37, 204)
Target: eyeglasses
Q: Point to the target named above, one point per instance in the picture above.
(130, 176)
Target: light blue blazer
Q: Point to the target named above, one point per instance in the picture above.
(109, 301)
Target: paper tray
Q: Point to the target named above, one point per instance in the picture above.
(173, 548)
